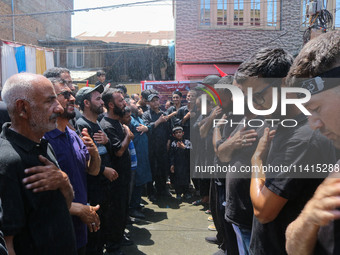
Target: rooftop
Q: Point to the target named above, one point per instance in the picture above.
(159, 38)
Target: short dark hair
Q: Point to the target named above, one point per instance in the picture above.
(55, 72)
(122, 87)
(145, 94)
(133, 96)
(107, 96)
(128, 100)
(266, 63)
(127, 109)
(176, 92)
(316, 57)
(101, 72)
(85, 97)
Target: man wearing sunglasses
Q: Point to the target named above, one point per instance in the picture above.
(76, 157)
(65, 75)
(278, 196)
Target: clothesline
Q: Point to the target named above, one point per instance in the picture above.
(17, 58)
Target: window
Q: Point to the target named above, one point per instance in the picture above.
(241, 14)
(57, 57)
(333, 6)
(75, 57)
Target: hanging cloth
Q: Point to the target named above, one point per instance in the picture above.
(20, 58)
(31, 61)
(49, 59)
(8, 62)
(41, 61)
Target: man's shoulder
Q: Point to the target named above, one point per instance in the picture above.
(9, 155)
(146, 114)
(182, 109)
(82, 121)
(107, 122)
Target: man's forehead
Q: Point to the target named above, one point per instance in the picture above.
(319, 99)
(96, 94)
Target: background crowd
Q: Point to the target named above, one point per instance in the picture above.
(75, 164)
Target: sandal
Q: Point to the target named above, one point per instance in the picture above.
(197, 202)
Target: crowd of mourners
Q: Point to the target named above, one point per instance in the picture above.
(74, 164)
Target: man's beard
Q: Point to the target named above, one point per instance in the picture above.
(117, 110)
(38, 122)
(96, 110)
(68, 115)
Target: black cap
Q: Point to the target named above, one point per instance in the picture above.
(83, 92)
(150, 97)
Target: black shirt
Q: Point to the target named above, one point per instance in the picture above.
(158, 136)
(174, 119)
(3, 250)
(96, 185)
(116, 134)
(328, 238)
(186, 125)
(4, 117)
(240, 209)
(298, 145)
(145, 108)
(40, 222)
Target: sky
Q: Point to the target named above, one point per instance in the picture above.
(148, 17)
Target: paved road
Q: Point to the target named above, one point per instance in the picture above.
(171, 228)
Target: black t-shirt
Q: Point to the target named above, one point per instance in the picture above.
(186, 125)
(297, 146)
(40, 222)
(116, 134)
(3, 250)
(96, 185)
(328, 238)
(239, 209)
(158, 136)
(4, 117)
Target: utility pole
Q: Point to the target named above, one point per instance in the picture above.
(13, 25)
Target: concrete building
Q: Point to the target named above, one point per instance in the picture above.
(226, 32)
(30, 29)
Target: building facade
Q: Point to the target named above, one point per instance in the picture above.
(226, 32)
(31, 28)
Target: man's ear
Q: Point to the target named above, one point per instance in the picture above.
(87, 103)
(23, 108)
(111, 105)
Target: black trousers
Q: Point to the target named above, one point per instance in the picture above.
(160, 170)
(225, 232)
(116, 217)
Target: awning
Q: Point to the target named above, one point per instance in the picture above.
(82, 75)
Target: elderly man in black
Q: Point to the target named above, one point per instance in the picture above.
(157, 123)
(35, 193)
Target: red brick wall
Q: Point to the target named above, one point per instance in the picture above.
(30, 29)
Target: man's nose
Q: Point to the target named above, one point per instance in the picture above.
(58, 108)
(315, 123)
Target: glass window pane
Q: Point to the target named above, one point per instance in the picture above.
(80, 60)
(222, 12)
(255, 12)
(70, 58)
(205, 13)
(238, 12)
(337, 15)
